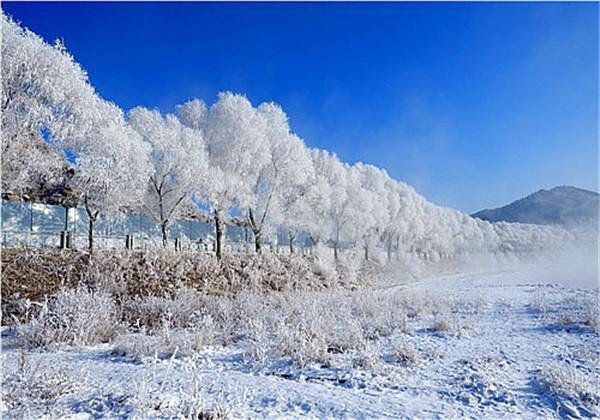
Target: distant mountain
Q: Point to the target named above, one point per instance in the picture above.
(563, 206)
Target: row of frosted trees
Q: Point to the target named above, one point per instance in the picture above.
(228, 160)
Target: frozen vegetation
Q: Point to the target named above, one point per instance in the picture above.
(520, 342)
(399, 307)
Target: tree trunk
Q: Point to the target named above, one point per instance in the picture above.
(335, 251)
(291, 242)
(90, 234)
(218, 235)
(366, 253)
(92, 216)
(257, 243)
(66, 218)
(163, 229)
(389, 251)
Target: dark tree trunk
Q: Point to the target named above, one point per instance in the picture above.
(163, 229)
(256, 230)
(92, 216)
(91, 220)
(257, 242)
(218, 235)
(291, 242)
(66, 218)
(366, 253)
(335, 251)
(90, 234)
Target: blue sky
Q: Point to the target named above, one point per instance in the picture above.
(474, 104)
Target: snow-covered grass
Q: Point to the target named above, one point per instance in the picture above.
(573, 392)
(460, 345)
(29, 275)
(72, 316)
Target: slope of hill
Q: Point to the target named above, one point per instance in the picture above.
(563, 206)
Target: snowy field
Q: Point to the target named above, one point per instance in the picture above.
(514, 343)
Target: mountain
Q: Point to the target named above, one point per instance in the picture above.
(563, 206)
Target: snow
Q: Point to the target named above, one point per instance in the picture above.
(506, 331)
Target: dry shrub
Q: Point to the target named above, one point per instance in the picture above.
(72, 316)
(569, 385)
(32, 274)
(181, 309)
(170, 343)
(31, 385)
(368, 356)
(442, 325)
(449, 326)
(591, 314)
(406, 353)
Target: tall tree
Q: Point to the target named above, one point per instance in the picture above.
(45, 98)
(178, 164)
(112, 166)
(237, 149)
(288, 167)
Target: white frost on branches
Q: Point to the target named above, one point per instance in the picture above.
(230, 159)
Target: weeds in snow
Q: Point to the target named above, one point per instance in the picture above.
(32, 385)
(573, 392)
(72, 316)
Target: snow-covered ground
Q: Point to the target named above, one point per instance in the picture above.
(514, 344)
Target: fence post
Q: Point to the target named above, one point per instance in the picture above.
(129, 242)
(63, 240)
(30, 224)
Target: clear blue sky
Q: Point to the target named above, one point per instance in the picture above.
(473, 104)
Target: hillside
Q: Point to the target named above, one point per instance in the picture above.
(563, 206)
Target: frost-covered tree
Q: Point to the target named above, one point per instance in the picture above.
(178, 164)
(237, 150)
(192, 114)
(317, 195)
(286, 166)
(45, 93)
(371, 207)
(340, 213)
(111, 166)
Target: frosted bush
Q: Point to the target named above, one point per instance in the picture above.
(170, 343)
(188, 400)
(260, 348)
(181, 309)
(72, 316)
(572, 389)
(591, 314)
(405, 353)
(305, 344)
(31, 385)
(368, 357)
(451, 325)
